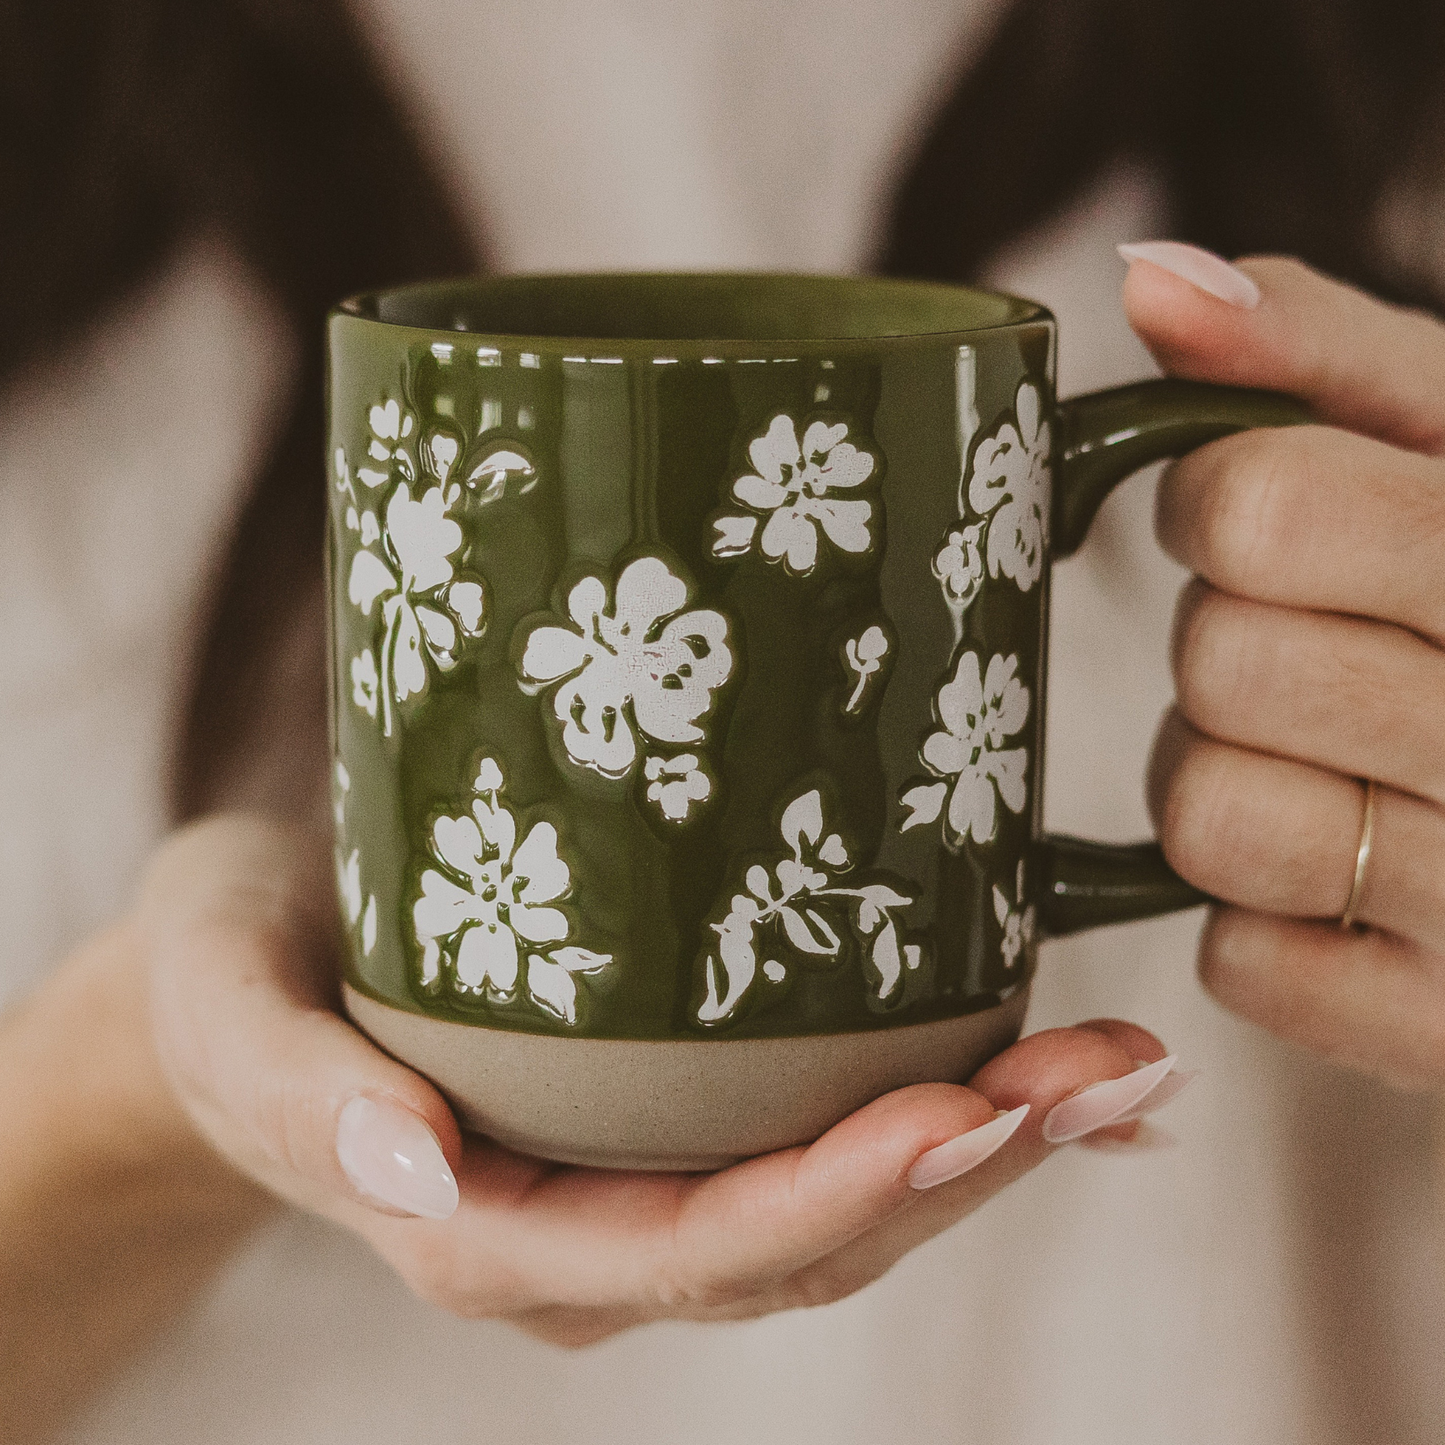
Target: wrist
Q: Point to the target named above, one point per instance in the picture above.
(101, 1114)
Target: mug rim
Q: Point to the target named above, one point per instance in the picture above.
(407, 307)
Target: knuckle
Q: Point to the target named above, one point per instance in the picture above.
(677, 1290)
(818, 1286)
(1216, 663)
(1247, 522)
(1195, 813)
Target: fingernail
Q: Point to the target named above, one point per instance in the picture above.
(390, 1154)
(965, 1152)
(1165, 1092)
(1101, 1104)
(1200, 268)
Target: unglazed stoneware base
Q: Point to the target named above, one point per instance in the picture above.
(681, 1105)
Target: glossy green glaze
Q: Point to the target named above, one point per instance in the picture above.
(694, 688)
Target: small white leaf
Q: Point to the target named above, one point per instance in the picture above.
(368, 926)
(734, 536)
(803, 819)
(887, 961)
(924, 803)
(553, 987)
(833, 851)
(759, 882)
(580, 960)
(809, 932)
(1000, 905)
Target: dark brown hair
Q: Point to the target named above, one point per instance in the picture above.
(1277, 125)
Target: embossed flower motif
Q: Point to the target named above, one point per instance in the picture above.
(978, 714)
(1015, 918)
(675, 784)
(364, 682)
(800, 907)
(493, 900)
(425, 611)
(355, 905)
(1011, 480)
(958, 564)
(795, 485)
(643, 666)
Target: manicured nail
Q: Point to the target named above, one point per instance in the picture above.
(390, 1154)
(1200, 268)
(1105, 1103)
(965, 1152)
(1165, 1092)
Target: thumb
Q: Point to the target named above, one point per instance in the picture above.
(239, 918)
(1272, 322)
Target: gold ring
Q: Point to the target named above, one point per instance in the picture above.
(1362, 856)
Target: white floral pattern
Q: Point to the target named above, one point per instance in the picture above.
(1015, 918)
(1009, 489)
(799, 907)
(406, 561)
(977, 713)
(1010, 480)
(487, 919)
(675, 784)
(795, 486)
(865, 656)
(355, 905)
(425, 609)
(958, 564)
(631, 671)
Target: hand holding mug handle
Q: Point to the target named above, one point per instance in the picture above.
(1107, 436)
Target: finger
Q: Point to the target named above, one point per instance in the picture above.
(706, 1246)
(1042, 1071)
(1368, 1000)
(675, 1244)
(1361, 698)
(1315, 518)
(1279, 836)
(240, 921)
(1358, 362)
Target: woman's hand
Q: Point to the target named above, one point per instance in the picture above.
(1308, 656)
(239, 918)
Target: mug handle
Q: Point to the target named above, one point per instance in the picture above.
(1106, 436)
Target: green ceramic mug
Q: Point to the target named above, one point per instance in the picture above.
(689, 642)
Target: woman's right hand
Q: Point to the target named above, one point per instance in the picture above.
(239, 922)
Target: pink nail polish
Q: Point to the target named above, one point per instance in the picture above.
(389, 1153)
(1104, 1103)
(1210, 273)
(966, 1151)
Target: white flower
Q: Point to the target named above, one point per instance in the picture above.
(675, 784)
(800, 903)
(1011, 480)
(496, 903)
(364, 682)
(865, 656)
(646, 651)
(391, 428)
(958, 564)
(348, 870)
(1016, 920)
(794, 485)
(425, 612)
(968, 752)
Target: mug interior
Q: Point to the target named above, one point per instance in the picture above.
(693, 307)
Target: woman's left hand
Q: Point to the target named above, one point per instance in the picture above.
(1309, 656)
